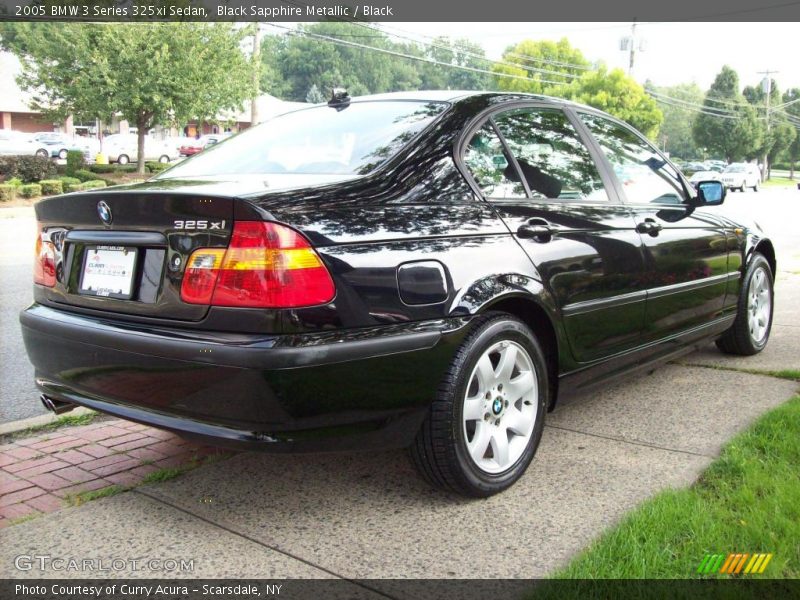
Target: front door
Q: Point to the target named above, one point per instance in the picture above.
(531, 163)
(685, 249)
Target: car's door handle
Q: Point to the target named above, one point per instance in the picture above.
(537, 230)
(649, 226)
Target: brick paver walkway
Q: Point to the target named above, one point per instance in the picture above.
(39, 474)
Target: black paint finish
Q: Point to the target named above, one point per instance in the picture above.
(415, 252)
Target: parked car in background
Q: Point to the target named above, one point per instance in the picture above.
(193, 146)
(59, 144)
(431, 270)
(18, 143)
(122, 148)
(699, 176)
(739, 176)
(716, 165)
(694, 167)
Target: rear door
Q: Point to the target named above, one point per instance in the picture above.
(532, 164)
(685, 249)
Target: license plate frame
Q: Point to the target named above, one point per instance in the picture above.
(114, 284)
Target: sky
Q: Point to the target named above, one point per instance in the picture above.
(675, 52)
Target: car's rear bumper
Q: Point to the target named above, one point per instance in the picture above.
(349, 389)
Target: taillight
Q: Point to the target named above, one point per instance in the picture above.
(266, 265)
(44, 264)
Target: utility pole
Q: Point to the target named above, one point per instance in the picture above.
(631, 44)
(766, 86)
(256, 73)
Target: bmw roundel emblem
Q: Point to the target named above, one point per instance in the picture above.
(497, 406)
(104, 212)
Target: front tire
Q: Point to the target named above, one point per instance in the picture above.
(755, 187)
(163, 159)
(486, 421)
(750, 331)
(123, 159)
(42, 153)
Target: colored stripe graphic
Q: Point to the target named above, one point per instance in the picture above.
(734, 563)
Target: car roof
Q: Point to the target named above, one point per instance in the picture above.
(457, 95)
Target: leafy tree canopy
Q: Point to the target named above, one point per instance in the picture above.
(153, 74)
(541, 63)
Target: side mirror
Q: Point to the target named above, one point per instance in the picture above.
(710, 193)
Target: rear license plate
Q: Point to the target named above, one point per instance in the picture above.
(108, 271)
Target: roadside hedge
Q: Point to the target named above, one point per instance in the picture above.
(70, 184)
(93, 184)
(84, 175)
(75, 162)
(156, 167)
(30, 190)
(29, 169)
(115, 168)
(51, 187)
(7, 192)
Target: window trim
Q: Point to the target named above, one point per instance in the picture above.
(687, 187)
(607, 177)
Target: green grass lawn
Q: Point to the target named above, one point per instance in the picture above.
(776, 181)
(748, 500)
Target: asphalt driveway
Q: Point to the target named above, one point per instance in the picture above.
(369, 516)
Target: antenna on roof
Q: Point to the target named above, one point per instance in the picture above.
(340, 99)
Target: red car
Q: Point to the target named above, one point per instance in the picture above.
(195, 146)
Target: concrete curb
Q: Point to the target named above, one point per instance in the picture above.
(23, 424)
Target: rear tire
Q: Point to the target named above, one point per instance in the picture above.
(486, 420)
(123, 159)
(755, 187)
(62, 154)
(42, 153)
(750, 331)
(163, 159)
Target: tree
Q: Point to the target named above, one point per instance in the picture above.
(153, 74)
(314, 96)
(545, 65)
(780, 134)
(618, 94)
(458, 53)
(793, 112)
(729, 126)
(675, 133)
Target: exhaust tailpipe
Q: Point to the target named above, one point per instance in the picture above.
(56, 406)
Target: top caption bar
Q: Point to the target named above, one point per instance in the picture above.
(399, 10)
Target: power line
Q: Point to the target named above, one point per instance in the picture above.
(333, 40)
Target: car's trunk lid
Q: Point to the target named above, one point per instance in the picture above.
(125, 251)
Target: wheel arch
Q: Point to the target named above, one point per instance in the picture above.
(766, 248)
(535, 316)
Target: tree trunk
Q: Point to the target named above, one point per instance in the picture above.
(791, 169)
(141, 131)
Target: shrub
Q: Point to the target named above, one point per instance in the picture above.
(93, 184)
(156, 167)
(102, 168)
(70, 184)
(75, 161)
(15, 181)
(29, 169)
(84, 175)
(51, 187)
(30, 190)
(7, 192)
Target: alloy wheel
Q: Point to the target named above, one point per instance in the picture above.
(500, 407)
(759, 305)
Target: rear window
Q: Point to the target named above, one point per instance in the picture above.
(320, 140)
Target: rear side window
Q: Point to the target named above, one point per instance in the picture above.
(645, 176)
(551, 156)
(322, 140)
(486, 159)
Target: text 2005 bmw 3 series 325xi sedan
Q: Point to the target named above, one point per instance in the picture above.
(430, 271)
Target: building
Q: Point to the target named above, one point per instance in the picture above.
(268, 107)
(15, 110)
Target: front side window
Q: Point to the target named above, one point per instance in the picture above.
(485, 158)
(551, 156)
(353, 140)
(644, 175)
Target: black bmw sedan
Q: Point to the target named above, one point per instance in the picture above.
(430, 270)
